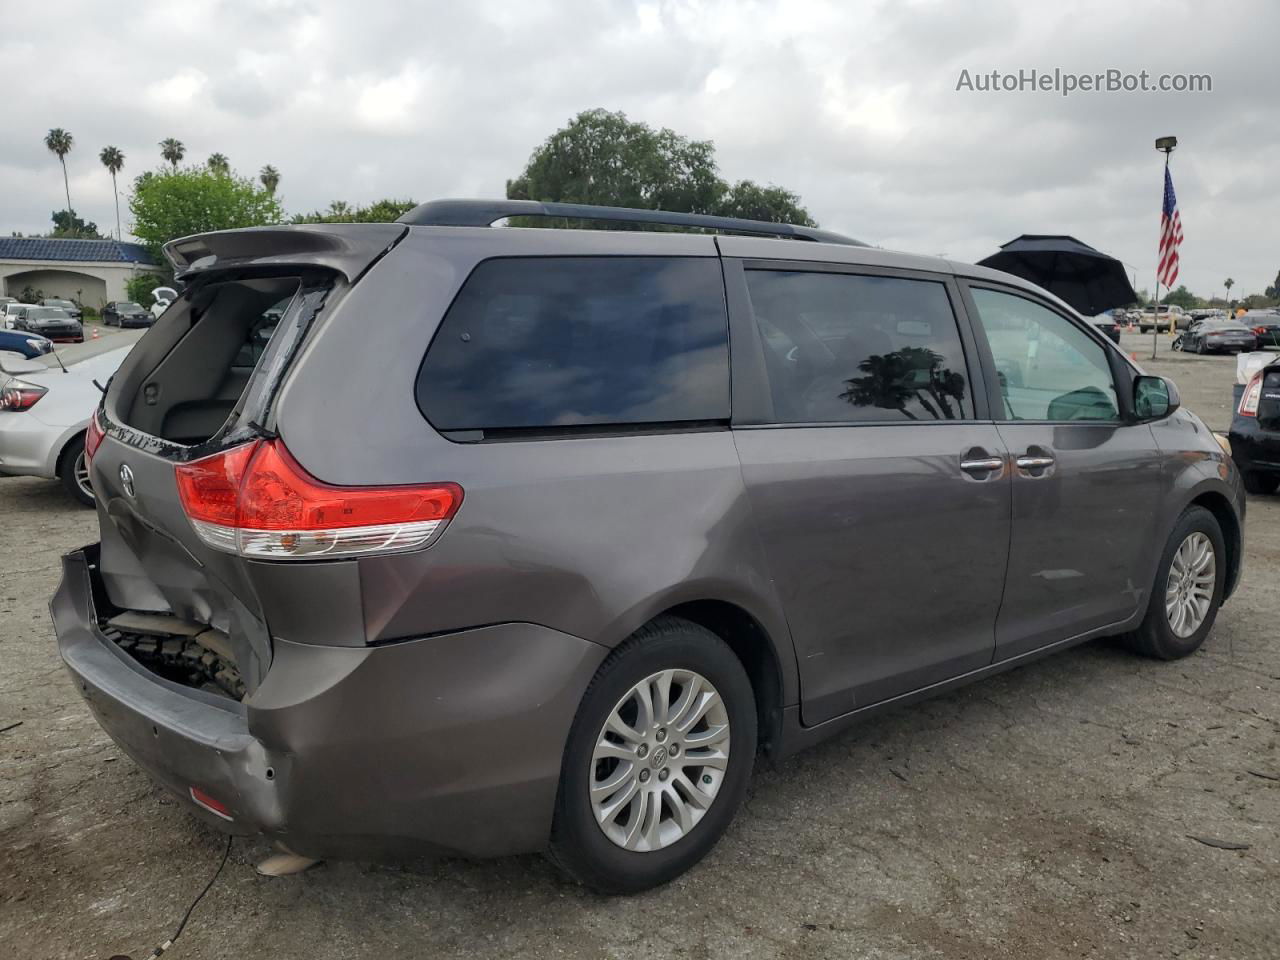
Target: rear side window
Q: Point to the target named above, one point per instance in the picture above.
(552, 342)
(841, 348)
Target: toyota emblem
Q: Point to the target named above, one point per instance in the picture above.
(126, 479)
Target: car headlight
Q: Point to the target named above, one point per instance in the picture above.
(1224, 442)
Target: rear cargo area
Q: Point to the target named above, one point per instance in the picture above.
(195, 372)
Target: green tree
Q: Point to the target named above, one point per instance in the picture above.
(167, 204)
(1273, 291)
(113, 160)
(270, 178)
(754, 202)
(172, 151)
(1182, 297)
(1228, 284)
(218, 163)
(339, 211)
(138, 287)
(59, 141)
(604, 158)
(67, 224)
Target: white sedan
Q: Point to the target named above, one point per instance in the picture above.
(45, 409)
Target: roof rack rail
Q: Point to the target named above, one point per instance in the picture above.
(484, 213)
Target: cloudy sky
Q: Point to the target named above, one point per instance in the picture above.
(852, 105)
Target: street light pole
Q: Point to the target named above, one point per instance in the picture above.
(1166, 145)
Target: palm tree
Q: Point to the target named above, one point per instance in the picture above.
(1228, 283)
(172, 150)
(59, 141)
(270, 178)
(113, 160)
(219, 164)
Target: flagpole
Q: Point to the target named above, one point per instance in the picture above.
(1165, 144)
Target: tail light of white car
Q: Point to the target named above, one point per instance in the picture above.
(1252, 395)
(16, 395)
(256, 500)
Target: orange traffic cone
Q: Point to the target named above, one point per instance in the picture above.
(94, 335)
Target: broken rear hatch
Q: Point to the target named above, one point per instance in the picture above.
(202, 380)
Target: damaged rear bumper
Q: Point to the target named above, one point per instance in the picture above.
(450, 743)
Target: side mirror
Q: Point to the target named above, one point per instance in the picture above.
(1154, 398)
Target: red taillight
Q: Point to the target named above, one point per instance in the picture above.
(17, 395)
(216, 807)
(1251, 397)
(257, 500)
(93, 437)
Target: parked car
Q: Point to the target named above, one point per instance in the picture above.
(27, 344)
(125, 313)
(13, 311)
(1107, 323)
(1255, 424)
(72, 309)
(1180, 318)
(1265, 326)
(1213, 336)
(52, 322)
(44, 410)
(520, 567)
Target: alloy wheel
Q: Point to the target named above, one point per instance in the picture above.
(81, 469)
(1188, 594)
(660, 759)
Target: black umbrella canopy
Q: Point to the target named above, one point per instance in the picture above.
(1087, 279)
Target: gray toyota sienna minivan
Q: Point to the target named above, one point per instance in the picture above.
(440, 536)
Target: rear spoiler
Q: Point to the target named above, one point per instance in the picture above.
(348, 248)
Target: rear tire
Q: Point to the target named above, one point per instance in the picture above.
(1260, 483)
(74, 473)
(615, 858)
(1187, 593)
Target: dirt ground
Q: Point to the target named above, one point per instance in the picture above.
(1045, 813)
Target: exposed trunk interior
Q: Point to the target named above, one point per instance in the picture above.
(206, 358)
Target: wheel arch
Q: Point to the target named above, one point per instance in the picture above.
(59, 449)
(756, 649)
(1217, 503)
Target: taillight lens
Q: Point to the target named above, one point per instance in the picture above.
(93, 436)
(18, 394)
(256, 500)
(1252, 395)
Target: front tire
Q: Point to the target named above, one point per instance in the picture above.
(74, 473)
(635, 807)
(1187, 591)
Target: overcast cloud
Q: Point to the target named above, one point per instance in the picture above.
(852, 105)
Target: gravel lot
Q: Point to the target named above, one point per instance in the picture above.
(1041, 814)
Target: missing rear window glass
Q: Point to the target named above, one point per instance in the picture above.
(206, 358)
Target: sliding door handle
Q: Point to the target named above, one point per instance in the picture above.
(982, 464)
(1029, 462)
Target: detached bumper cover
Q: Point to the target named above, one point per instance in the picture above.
(451, 743)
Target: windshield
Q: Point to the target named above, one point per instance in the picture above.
(47, 313)
(58, 303)
(127, 306)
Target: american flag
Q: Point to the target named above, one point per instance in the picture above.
(1170, 235)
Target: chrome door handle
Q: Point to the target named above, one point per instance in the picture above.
(982, 464)
(1034, 463)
